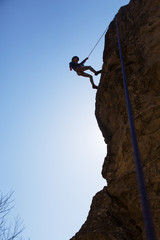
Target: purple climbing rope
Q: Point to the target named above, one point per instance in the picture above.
(148, 222)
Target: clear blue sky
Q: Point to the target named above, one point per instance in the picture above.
(51, 149)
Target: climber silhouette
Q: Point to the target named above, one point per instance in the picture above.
(80, 69)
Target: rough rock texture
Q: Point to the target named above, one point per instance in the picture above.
(115, 212)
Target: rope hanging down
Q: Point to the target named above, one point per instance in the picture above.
(98, 42)
(150, 232)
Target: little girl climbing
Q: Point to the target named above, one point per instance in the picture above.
(80, 69)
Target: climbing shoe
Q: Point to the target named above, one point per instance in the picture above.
(94, 87)
(98, 72)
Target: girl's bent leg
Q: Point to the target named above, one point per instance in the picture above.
(85, 68)
(80, 73)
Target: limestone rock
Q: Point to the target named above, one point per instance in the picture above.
(115, 212)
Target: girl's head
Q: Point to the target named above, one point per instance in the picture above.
(75, 59)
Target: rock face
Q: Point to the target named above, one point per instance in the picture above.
(115, 212)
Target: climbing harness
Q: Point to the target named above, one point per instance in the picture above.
(150, 232)
(98, 41)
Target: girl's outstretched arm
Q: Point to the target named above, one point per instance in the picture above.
(84, 60)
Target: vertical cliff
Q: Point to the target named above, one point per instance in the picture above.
(115, 211)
